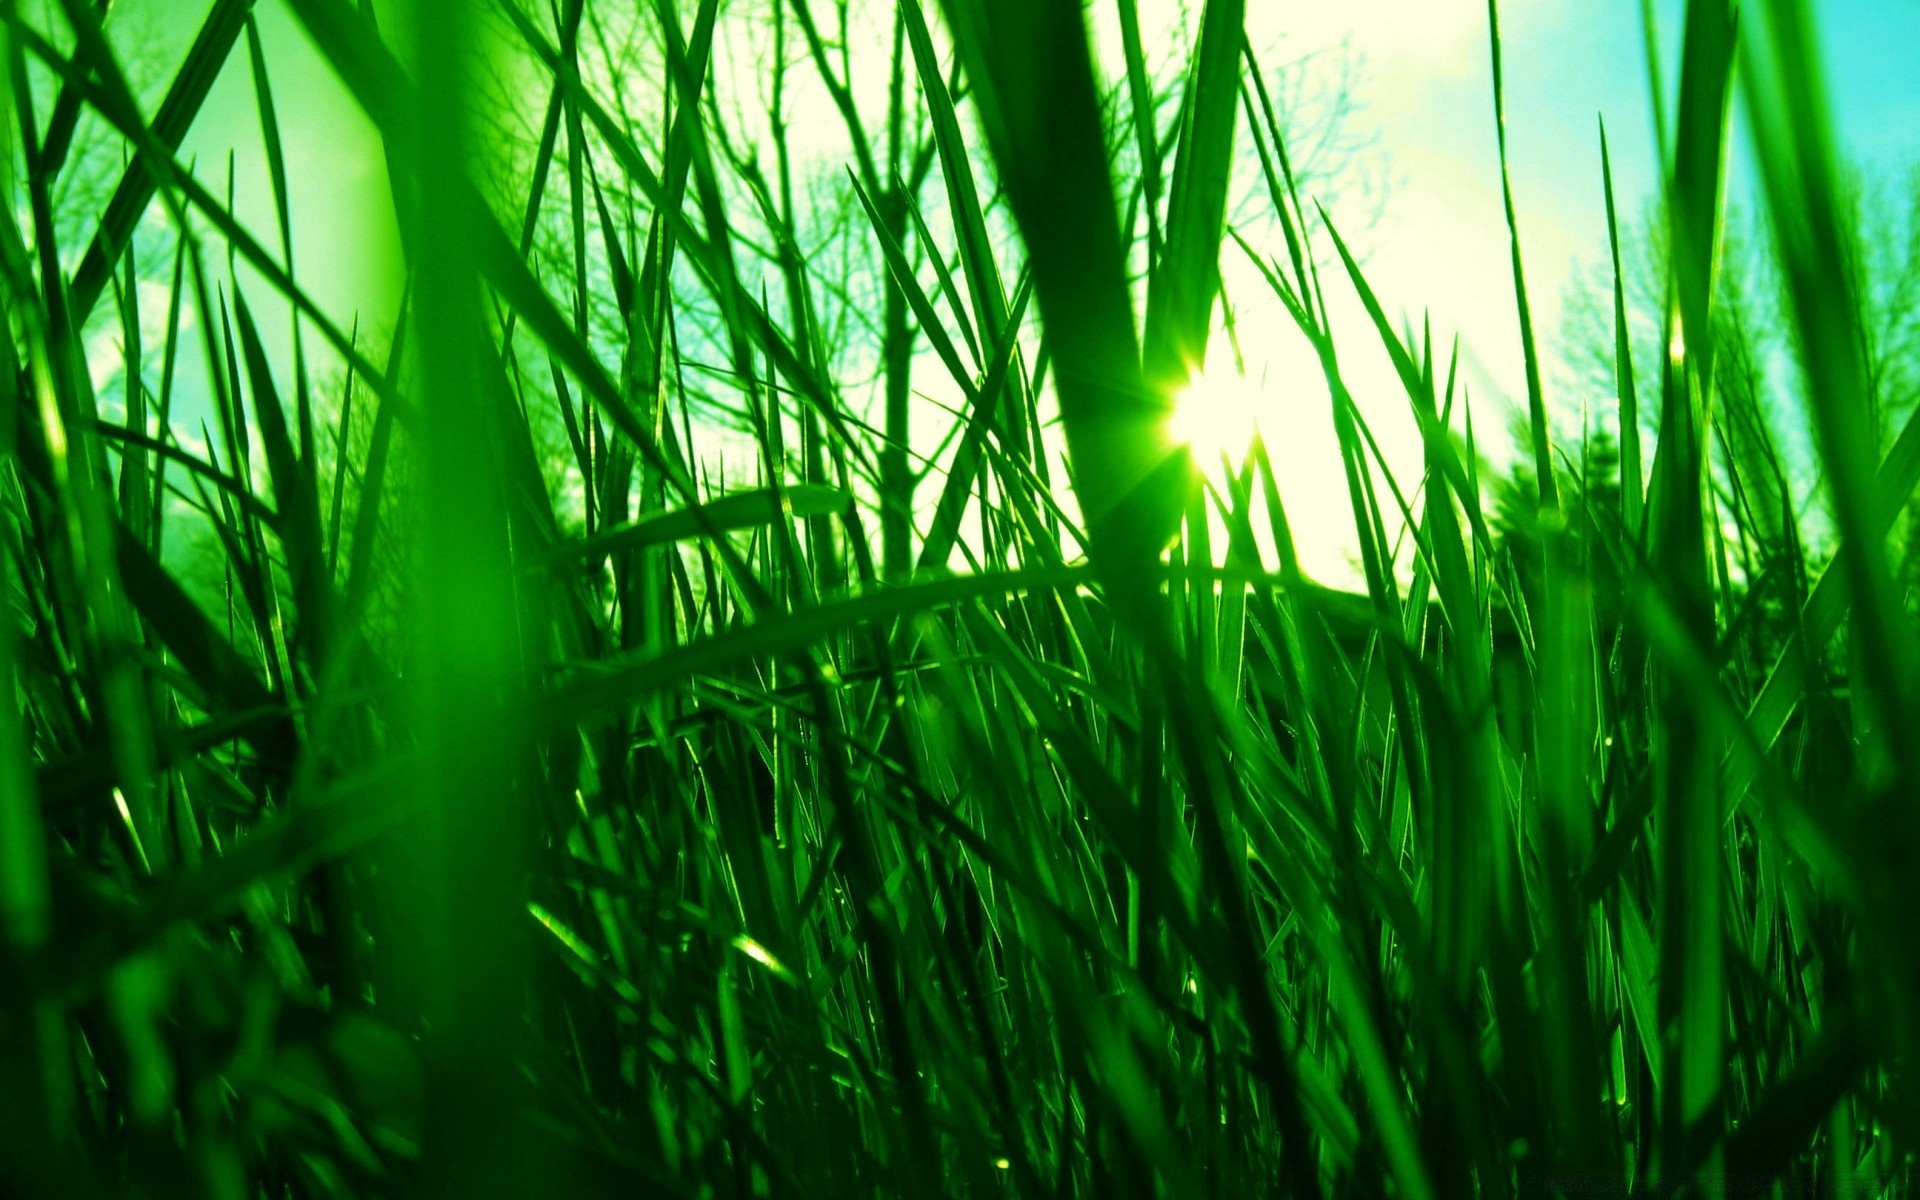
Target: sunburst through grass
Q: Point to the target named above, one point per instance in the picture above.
(1217, 415)
(556, 742)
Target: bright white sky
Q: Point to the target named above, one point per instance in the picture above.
(1421, 97)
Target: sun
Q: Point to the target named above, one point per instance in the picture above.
(1217, 414)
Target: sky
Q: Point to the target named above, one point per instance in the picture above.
(1434, 236)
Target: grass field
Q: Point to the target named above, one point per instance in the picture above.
(571, 743)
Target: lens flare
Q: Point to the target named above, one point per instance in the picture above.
(1217, 414)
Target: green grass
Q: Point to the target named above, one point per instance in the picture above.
(564, 744)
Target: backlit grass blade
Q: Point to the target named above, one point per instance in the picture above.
(55, 407)
(1033, 80)
(1692, 983)
(36, 1090)
(1543, 464)
(739, 510)
(624, 684)
(1632, 482)
(155, 160)
(211, 48)
(1826, 607)
(916, 297)
(1181, 290)
(1144, 116)
(943, 532)
(295, 490)
(1794, 146)
(470, 693)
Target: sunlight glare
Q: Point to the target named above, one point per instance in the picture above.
(1217, 413)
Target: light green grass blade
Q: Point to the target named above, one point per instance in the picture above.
(1181, 290)
(1538, 426)
(1035, 93)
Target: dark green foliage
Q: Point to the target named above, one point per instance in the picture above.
(552, 753)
